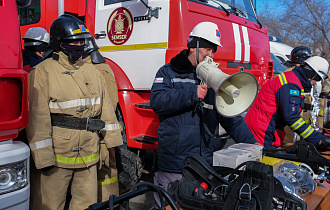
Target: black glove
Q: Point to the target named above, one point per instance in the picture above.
(325, 141)
(47, 168)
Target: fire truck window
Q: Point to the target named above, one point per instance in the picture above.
(241, 8)
(107, 2)
(29, 15)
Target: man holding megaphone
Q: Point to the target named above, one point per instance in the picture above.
(175, 93)
(280, 101)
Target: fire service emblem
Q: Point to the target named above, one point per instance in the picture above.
(120, 26)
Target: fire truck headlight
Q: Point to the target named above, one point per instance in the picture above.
(13, 177)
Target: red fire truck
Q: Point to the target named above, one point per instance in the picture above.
(14, 155)
(137, 37)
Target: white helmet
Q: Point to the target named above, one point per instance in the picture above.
(208, 31)
(319, 65)
(36, 36)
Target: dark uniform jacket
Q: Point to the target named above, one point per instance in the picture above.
(181, 131)
(30, 60)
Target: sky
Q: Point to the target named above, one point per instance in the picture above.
(261, 4)
(272, 4)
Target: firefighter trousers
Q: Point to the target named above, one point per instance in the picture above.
(107, 175)
(49, 188)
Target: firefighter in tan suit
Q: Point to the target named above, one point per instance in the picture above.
(297, 57)
(69, 107)
(107, 174)
(324, 96)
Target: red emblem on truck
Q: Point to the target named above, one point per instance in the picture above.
(120, 26)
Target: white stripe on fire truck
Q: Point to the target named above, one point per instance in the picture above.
(238, 44)
(41, 144)
(246, 45)
(74, 103)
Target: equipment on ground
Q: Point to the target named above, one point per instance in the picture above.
(250, 186)
(234, 93)
(304, 152)
(136, 190)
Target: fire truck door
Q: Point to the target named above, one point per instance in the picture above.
(133, 34)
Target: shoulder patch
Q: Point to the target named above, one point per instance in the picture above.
(294, 92)
(56, 57)
(158, 80)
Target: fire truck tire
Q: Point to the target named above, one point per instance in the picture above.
(129, 163)
(129, 169)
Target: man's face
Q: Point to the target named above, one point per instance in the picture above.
(203, 52)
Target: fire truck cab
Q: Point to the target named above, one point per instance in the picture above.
(14, 155)
(137, 37)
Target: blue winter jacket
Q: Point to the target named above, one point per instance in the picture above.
(181, 131)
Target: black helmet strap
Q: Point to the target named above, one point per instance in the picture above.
(310, 73)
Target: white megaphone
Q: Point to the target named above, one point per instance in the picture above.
(234, 93)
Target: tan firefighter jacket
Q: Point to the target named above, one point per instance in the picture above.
(76, 90)
(110, 80)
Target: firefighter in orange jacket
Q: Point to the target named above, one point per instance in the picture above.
(107, 174)
(279, 102)
(69, 107)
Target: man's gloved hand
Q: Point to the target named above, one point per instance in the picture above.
(47, 168)
(325, 141)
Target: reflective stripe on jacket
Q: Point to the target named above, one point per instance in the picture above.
(75, 90)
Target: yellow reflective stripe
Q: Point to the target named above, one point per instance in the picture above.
(307, 132)
(297, 124)
(282, 79)
(285, 81)
(309, 121)
(302, 92)
(77, 160)
(107, 181)
(135, 46)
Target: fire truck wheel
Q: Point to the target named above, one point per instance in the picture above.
(129, 169)
(129, 164)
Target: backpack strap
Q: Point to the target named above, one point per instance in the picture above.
(240, 195)
(254, 185)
